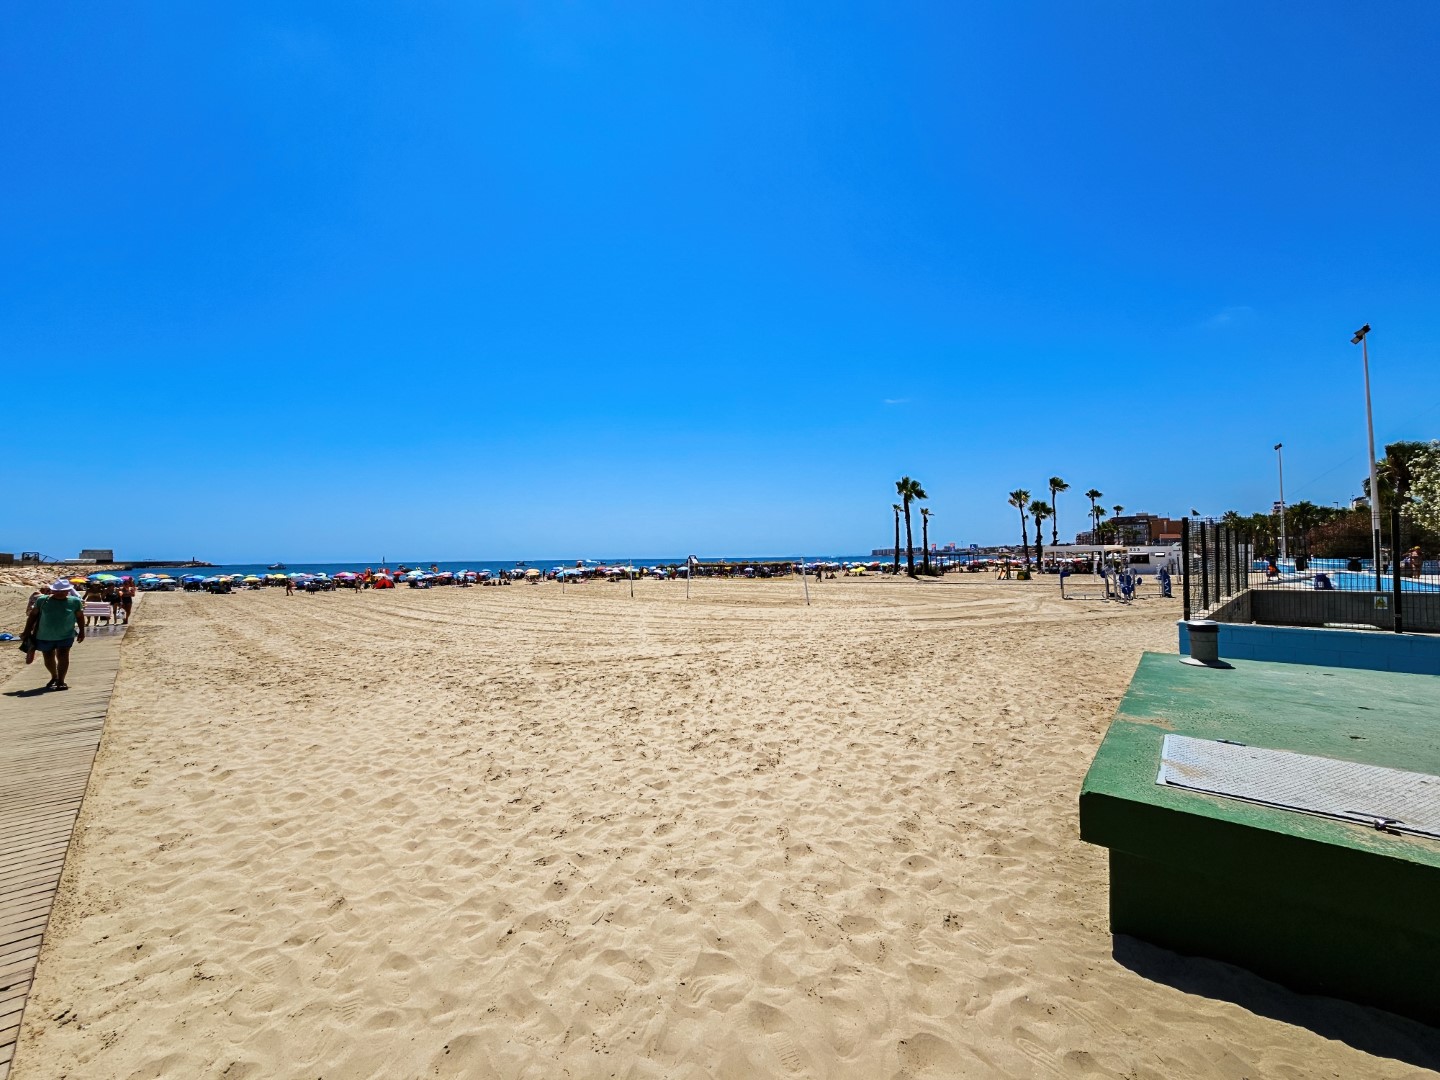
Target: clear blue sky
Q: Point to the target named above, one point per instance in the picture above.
(528, 279)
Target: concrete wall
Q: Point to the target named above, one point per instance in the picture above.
(1235, 610)
(1369, 649)
(1317, 607)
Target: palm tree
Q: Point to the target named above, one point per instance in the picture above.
(1396, 470)
(1040, 511)
(896, 508)
(1118, 511)
(925, 539)
(1019, 498)
(1301, 517)
(1230, 519)
(1056, 486)
(909, 491)
(1092, 495)
(1262, 532)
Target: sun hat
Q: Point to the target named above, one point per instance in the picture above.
(62, 586)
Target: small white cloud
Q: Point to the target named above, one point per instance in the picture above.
(1230, 316)
(897, 400)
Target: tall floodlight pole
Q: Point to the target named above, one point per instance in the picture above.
(1359, 339)
(1280, 462)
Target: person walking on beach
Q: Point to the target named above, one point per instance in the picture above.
(127, 599)
(55, 624)
(289, 587)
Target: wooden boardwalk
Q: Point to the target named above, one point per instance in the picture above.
(47, 745)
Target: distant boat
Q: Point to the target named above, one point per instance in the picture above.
(276, 566)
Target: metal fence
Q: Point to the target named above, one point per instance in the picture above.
(1227, 580)
(1217, 562)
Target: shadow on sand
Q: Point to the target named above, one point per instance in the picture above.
(33, 692)
(1373, 1031)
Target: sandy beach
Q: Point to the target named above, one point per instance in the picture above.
(505, 832)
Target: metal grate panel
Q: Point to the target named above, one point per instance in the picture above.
(1393, 799)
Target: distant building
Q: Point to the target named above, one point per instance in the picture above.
(98, 555)
(7, 558)
(1138, 530)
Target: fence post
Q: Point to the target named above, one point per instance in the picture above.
(1204, 569)
(1395, 566)
(1185, 564)
(1229, 533)
(1240, 580)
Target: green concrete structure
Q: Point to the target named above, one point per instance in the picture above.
(1321, 906)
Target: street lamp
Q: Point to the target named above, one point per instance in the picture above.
(1359, 339)
(1280, 462)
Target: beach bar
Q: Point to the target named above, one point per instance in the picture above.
(1342, 903)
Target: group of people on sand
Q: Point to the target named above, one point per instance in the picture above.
(120, 595)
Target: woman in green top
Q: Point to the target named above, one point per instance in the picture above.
(56, 622)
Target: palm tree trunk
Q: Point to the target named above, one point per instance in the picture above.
(1054, 518)
(925, 543)
(1024, 538)
(897, 543)
(909, 546)
(1039, 546)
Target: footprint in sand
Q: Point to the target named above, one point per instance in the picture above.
(930, 990)
(1045, 1062)
(926, 1055)
(716, 980)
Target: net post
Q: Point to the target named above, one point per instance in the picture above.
(1185, 566)
(1395, 566)
(1204, 568)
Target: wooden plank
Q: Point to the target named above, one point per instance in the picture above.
(22, 775)
(35, 808)
(22, 880)
(42, 875)
(19, 910)
(21, 964)
(54, 805)
(25, 892)
(19, 948)
(48, 744)
(40, 869)
(33, 852)
(18, 905)
(34, 847)
(59, 830)
(36, 863)
(15, 931)
(41, 837)
(38, 748)
(38, 811)
(15, 992)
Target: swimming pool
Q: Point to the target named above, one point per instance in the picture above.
(1350, 581)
